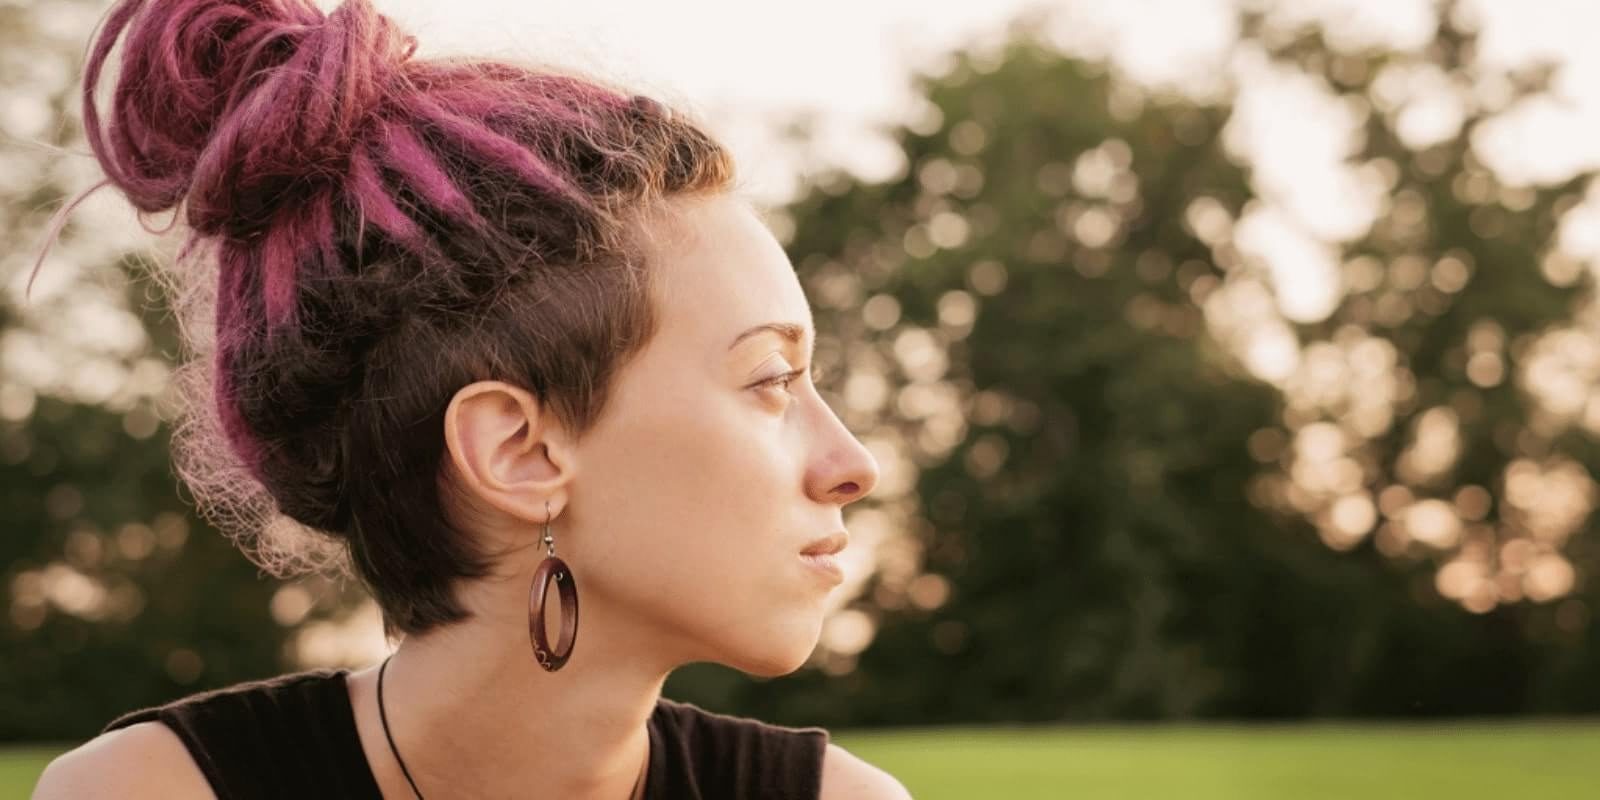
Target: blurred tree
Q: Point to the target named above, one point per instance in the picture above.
(113, 595)
(1138, 485)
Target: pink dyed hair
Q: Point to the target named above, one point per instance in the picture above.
(384, 229)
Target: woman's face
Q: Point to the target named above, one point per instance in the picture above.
(699, 486)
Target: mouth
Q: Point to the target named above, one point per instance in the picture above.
(819, 556)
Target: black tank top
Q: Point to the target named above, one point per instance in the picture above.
(294, 736)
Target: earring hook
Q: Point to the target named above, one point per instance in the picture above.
(549, 541)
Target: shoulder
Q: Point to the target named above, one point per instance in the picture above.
(804, 754)
(844, 775)
(152, 752)
(143, 760)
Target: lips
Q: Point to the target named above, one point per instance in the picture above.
(827, 545)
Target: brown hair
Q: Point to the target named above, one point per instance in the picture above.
(384, 230)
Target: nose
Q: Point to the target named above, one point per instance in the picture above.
(842, 470)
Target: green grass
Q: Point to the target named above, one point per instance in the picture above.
(1529, 759)
(1492, 761)
(20, 768)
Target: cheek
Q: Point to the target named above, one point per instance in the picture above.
(699, 516)
(692, 500)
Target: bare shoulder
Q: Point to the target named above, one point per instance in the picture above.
(142, 761)
(846, 777)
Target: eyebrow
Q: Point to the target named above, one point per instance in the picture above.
(788, 330)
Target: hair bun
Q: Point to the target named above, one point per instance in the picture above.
(225, 105)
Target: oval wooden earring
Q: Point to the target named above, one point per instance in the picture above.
(555, 569)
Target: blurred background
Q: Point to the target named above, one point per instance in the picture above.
(1232, 366)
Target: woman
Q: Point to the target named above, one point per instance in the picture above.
(507, 344)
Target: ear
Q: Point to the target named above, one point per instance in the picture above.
(508, 450)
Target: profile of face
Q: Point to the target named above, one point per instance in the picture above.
(705, 478)
(683, 511)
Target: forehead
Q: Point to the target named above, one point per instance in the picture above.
(717, 270)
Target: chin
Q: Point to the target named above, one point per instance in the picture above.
(785, 650)
(770, 667)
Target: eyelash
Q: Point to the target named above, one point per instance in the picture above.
(784, 379)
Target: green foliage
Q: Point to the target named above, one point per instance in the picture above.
(112, 596)
(117, 598)
(1125, 527)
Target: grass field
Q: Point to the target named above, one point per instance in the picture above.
(1522, 761)
(1491, 761)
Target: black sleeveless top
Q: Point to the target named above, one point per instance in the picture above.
(295, 736)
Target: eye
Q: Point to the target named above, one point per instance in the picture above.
(783, 380)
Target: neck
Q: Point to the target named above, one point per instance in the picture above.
(474, 715)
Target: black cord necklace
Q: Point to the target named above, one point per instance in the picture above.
(385, 719)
